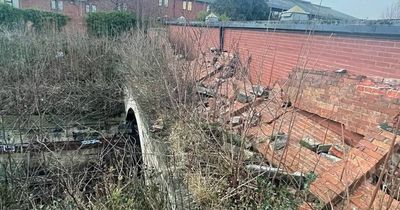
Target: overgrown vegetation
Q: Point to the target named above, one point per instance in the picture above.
(59, 75)
(50, 82)
(72, 78)
(14, 18)
(201, 16)
(110, 23)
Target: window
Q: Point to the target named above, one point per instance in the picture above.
(57, 5)
(122, 7)
(189, 6)
(184, 5)
(60, 5)
(163, 2)
(14, 3)
(90, 8)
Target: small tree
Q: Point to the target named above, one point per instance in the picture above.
(110, 23)
(242, 9)
(393, 12)
(202, 15)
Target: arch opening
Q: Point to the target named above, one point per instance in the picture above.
(134, 139)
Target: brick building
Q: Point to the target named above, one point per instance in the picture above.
(78, 9)
(75, 10)
(188, 9)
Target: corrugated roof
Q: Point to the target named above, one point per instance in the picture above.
(313, 9)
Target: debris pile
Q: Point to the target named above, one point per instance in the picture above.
(225, 94)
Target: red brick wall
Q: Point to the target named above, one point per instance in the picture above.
(35, 4)
(74, 10)
(275, 54)
(360, 103)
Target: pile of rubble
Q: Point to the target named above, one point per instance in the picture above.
(226, 90)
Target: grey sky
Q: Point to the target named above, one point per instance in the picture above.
(371, 9)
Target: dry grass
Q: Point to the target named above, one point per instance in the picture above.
(207, 169)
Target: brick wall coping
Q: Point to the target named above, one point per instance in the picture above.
(378, 28)
(373, 81)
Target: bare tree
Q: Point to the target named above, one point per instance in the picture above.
(392, 12)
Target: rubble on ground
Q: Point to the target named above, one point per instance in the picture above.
(279, 141)
(280, 126)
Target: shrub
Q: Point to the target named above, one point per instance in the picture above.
(42, 20)
(202, 15)
(110, 23)
(242, 9)
(13, 18)
(10, 16)
(224, 18)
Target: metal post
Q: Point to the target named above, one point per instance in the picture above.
(221, 38)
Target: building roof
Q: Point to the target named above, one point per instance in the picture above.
(297, 9)
(206, 1)
(312, 9)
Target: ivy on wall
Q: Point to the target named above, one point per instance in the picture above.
(12, 18)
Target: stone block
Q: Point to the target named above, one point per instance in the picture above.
(278, 142)
(218, 65)
(323, 148)
(244, 97)
(255, 119)
(228, 72)
(237, 120)
(259, 91)
(205, 91)
(330, 157)
(295, 179)
(309, 143)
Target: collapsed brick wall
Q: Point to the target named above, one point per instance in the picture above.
(274, 54)
(360, 103)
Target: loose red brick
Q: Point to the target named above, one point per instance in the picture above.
(381, 144)
(367, 144)
(393, 94)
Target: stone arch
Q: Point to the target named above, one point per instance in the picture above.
(134, 139)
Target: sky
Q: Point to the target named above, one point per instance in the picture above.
(365, 9)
